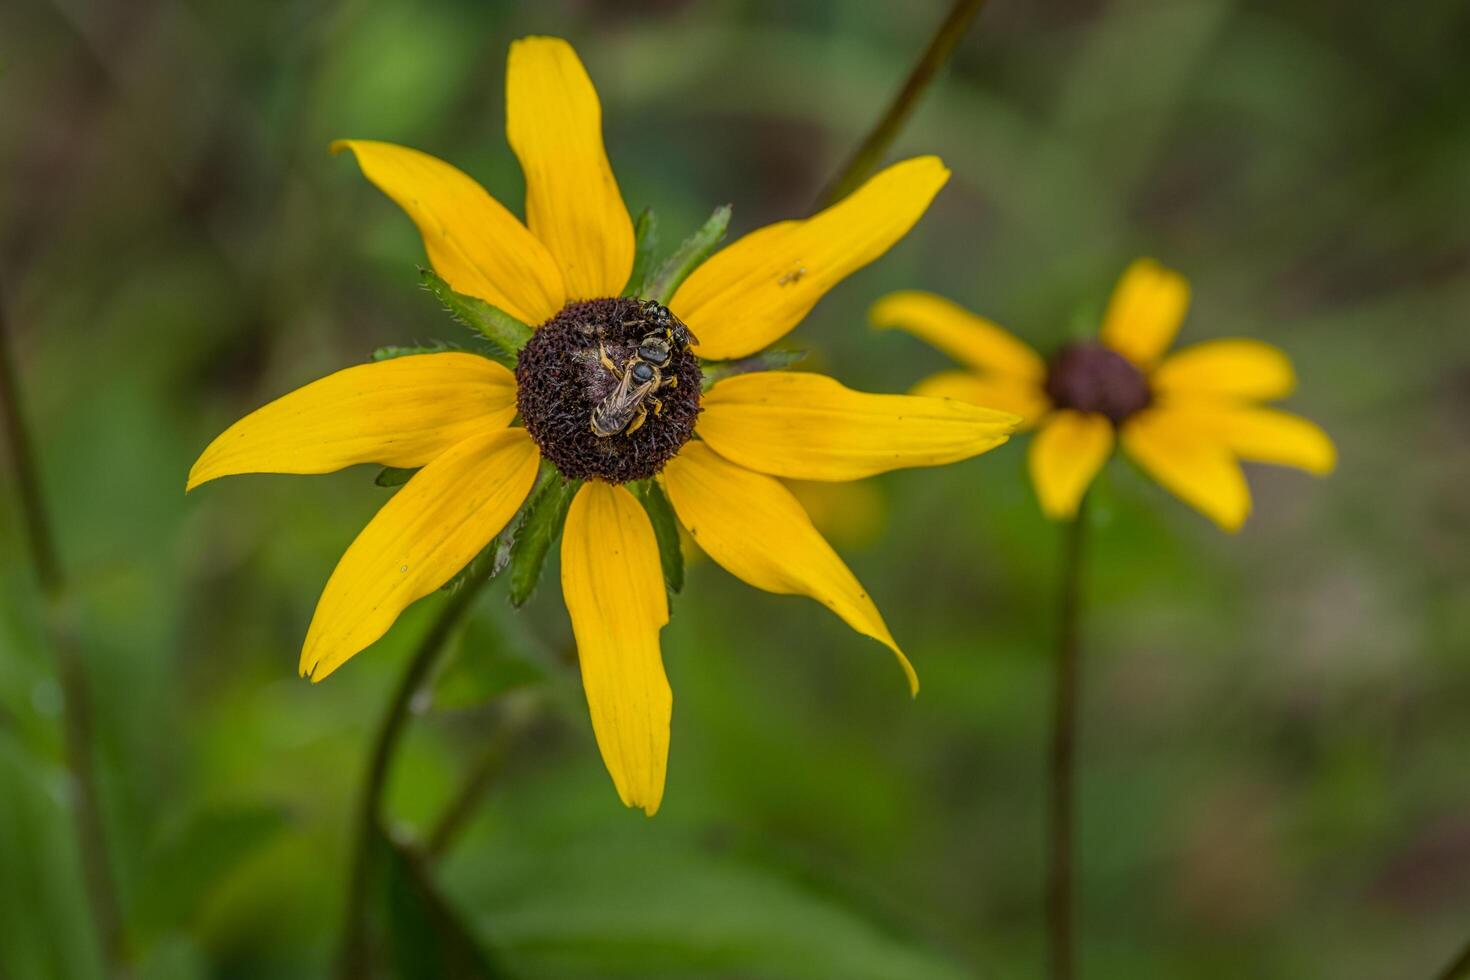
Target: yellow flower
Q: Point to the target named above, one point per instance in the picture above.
(1188, 419)
(720, 463)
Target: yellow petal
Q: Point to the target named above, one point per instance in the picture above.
(1233, 368)
(751, 293)
(474, 243)
(972, 340)
(999, 391)
(402, 412)
(1189, 463)
(810, 427)
(752, 526)
(422, 537)
(614, 590)
(1263, 435)
(554, 123)
(1145, 312)
(1066, 454)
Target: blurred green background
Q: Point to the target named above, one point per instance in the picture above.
(1275, 778)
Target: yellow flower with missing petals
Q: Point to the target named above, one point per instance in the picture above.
(1186, 418)
(718, 455)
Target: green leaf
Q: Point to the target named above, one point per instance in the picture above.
(506, 334)
(687, 257)
(524, 545)
(391, 351)
(395, 476)
(426, 934)
(188, 864)
(645, 243)
(665, 529)
(771, 360)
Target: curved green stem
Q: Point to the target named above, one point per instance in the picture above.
(354, 957)
(76, 717)
(865, 159)
(1458, 968)
(1061, 813)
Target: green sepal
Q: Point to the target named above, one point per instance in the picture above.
(770, 360)
(687, 257)
(395, 476)
(391, 351)
(505, 333)
(665, 529)
(523, 546)
(645, 243)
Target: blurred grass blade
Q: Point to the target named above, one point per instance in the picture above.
(506, 334)
(665, 529)
(771, 360)
(645, 238)
(687, 257)
(523, 547)
(187, 866)
(425, 933)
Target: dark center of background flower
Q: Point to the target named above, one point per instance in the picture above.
(561, 380)
(1092, 378)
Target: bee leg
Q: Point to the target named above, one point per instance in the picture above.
(607, 362)
(658, 406)
(672, 381)
(637, 422)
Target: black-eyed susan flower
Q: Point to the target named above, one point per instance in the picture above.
(1187, 418)
(608, 390)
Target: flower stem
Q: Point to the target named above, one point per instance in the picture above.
(60, 618)
(1061, 823)
(1459, 967)
(481, 776)
(865, 159)
(353, 959)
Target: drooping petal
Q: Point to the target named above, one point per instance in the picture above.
(1231, 368)
(402, 412)
(474, 243)
(810, 427)
(553, 120)
(1008, 394)
(614, 590)
(1066, 453)
(972, 340)
(422, 537)
(1145, 312)
(752, 526)
(752, 292)
(1263, 435)
(1190, 463)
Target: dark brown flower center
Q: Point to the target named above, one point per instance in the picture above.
(609, 389)
(1089, 377)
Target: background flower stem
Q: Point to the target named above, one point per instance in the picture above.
(869, 154)
(1061, 813)
(1459, 967)
(60, 620)
(353, 960)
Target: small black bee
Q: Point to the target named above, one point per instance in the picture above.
(623, 409)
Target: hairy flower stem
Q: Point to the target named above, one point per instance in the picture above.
(865, 159)
(1459, 967)
(353, 960)
(1061, 815)
(60, 618)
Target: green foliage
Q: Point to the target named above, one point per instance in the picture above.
(665, 529)
(391, 351)
(394, 476)
(768, 360)
(503, 333)
(524, 545)
(483, 665)
(665, 280)
(426, 936)
(645, 237)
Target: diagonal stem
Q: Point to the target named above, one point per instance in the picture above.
(355, 955)
(1061, 814)
(1459, 967)
(76, 718)
(865, 159)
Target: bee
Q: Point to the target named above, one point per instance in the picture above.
(624, 409)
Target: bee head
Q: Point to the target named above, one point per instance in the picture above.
(654, 348)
